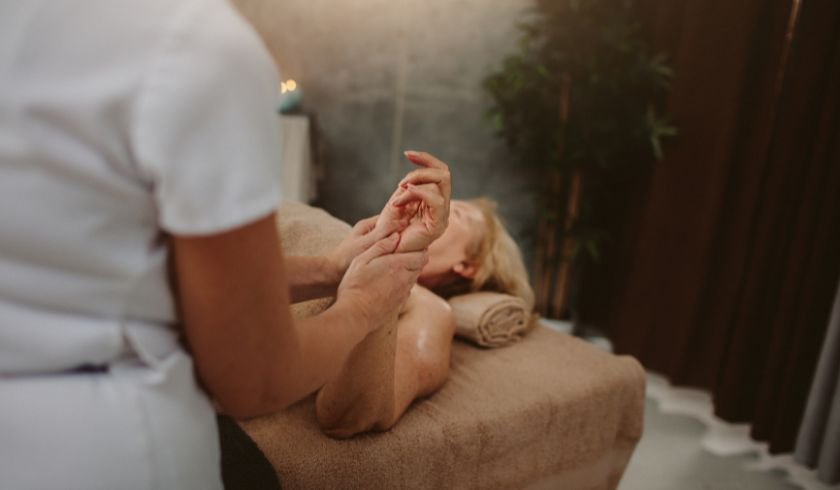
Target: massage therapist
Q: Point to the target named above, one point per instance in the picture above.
(139, 176)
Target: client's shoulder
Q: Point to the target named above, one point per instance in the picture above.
(427, 299)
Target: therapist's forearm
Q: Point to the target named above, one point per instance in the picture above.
(313, 355)
(293, 364)
(312, 277)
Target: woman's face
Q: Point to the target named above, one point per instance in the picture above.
(449, 254)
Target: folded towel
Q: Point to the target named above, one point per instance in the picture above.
(490, 319)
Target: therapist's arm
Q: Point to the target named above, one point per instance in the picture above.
(311, 277)
(234, 301)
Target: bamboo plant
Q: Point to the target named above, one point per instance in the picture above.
(577, 103)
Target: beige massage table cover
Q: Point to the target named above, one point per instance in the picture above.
(548, 412)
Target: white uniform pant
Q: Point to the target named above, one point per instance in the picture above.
(138, 425)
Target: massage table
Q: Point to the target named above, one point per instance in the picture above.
(550, 411)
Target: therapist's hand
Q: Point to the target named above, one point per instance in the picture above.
(378, 281)
(361, 237)
(419, 208)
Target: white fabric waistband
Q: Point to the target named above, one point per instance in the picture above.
(34, 342)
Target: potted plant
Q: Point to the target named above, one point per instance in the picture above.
(578, 105)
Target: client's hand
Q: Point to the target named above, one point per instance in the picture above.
(419, 208)
(379, 281)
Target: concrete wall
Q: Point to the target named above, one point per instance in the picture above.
(384, 76)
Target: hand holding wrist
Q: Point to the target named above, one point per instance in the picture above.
(361, 237)
(378, 282)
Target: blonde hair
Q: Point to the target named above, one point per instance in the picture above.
(498, 261)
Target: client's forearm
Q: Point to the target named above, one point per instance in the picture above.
(390, 368)
(312, 277)
(361, 396)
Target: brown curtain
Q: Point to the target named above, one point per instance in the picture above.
(723, 265)
(818, 441)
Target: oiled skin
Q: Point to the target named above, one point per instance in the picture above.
(394, 365)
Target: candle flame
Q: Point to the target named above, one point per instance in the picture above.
(288, 86)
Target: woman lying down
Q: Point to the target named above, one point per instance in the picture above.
(409, 357)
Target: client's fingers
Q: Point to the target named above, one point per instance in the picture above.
(400, 192)
(429, 196)
(441, 176)
(425, 160)
(429, 176)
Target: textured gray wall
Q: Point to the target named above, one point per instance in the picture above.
(384, 76)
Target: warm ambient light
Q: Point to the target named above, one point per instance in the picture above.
(288, 86)
(290, 98)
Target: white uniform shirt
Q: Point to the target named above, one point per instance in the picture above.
(120, 120)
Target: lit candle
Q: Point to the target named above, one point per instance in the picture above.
(290, 96)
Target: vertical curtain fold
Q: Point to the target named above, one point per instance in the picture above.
(732, 268)
(785, 298)
(818, 442)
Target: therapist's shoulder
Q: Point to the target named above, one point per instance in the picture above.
(210, 37)
(138, 30)
(168, 23)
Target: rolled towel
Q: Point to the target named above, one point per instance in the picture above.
(490, 319)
